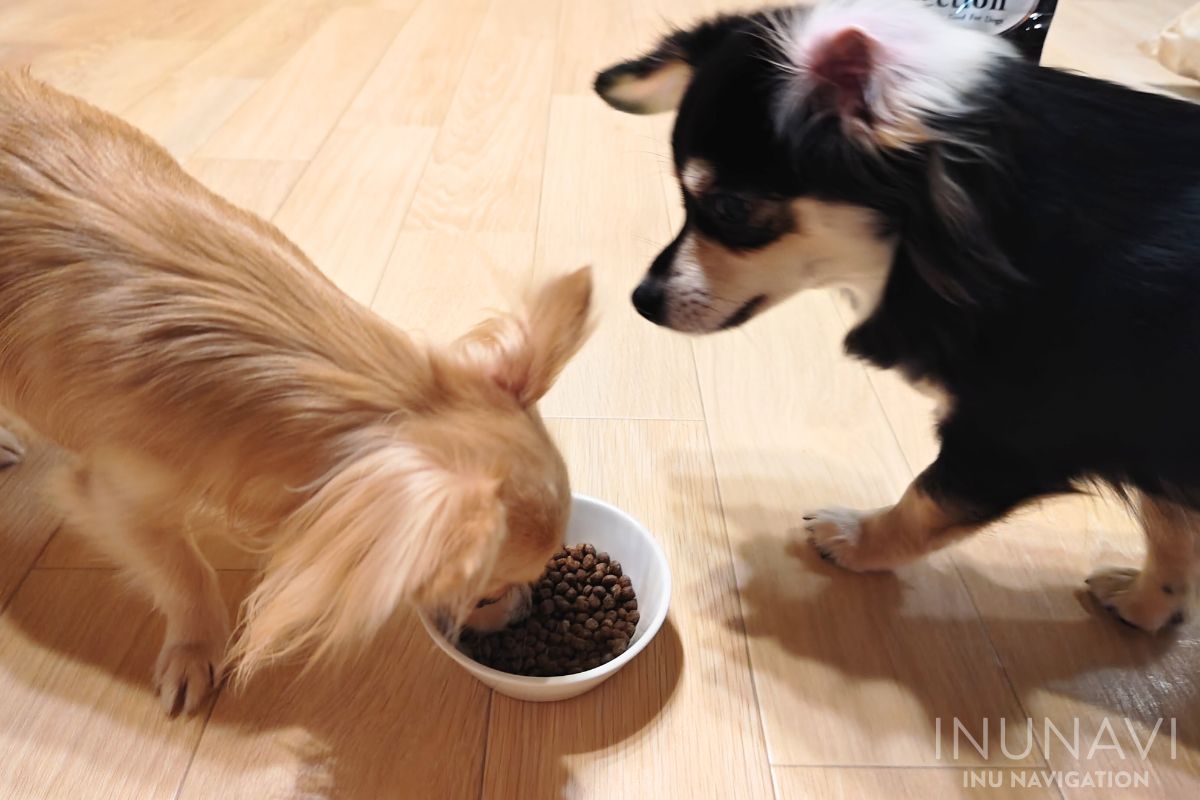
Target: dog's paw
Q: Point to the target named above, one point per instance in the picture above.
(11, 449)
(496, 615)
(1133, 602)
(185, 674)
(836, 533)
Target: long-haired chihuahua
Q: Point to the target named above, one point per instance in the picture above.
(203, 371)
(1022, 240)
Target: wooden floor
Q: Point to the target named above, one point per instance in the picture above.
(432, 156)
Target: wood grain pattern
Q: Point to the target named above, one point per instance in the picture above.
(290, 116)
(257, 186)
(433, 156)
(421, 287)
(29, 522)
(117, 76)
(680, 721)
(347, 208)
(828, 647)
(185, 110)
(622, 372)
(265, 38)
(418, 75)
(401, 722)
(77, 650)
(605, 207)
(485, 173)
(1067, 662)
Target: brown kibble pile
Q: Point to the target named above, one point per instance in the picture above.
(584, 614)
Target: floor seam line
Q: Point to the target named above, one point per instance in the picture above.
(33, 565)
(441, 125)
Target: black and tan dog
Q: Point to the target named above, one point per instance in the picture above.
(1022, 240)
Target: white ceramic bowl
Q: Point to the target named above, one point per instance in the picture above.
(611, 530)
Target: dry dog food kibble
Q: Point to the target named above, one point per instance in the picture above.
(584, 614)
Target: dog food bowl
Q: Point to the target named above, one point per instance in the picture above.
(612, 530)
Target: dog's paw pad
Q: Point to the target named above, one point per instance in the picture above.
(1132, 602)
(184, 677)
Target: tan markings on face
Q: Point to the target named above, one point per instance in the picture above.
(696, 176)
(831, 245)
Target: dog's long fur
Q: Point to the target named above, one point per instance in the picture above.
(201, 367)
(1023, 239)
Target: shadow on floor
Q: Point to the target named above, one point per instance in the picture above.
(400, 720)
(938, 629)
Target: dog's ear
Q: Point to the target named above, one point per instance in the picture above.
(394, 525)
(842, 68)
(657, 81)
(558, 320)
(524, 354)
(885, 71)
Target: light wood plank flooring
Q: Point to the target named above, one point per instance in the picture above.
(434, 156)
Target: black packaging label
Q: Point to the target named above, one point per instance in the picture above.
(1023, 22)
(993, 16)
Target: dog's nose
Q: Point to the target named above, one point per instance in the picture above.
(648, 299)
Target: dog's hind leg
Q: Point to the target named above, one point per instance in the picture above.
(1157, 595)
(133, 513)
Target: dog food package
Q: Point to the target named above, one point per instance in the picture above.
(1023, 22)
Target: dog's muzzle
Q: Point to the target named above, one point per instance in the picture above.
(649, 298)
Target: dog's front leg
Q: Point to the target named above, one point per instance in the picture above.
(969, 485)
(878, 541)
(129, 510)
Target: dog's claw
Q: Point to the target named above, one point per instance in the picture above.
(184, 678)
(180, 697)
(1176, 618)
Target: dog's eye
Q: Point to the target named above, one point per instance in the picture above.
(730, 209)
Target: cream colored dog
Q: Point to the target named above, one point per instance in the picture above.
(202, 368)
